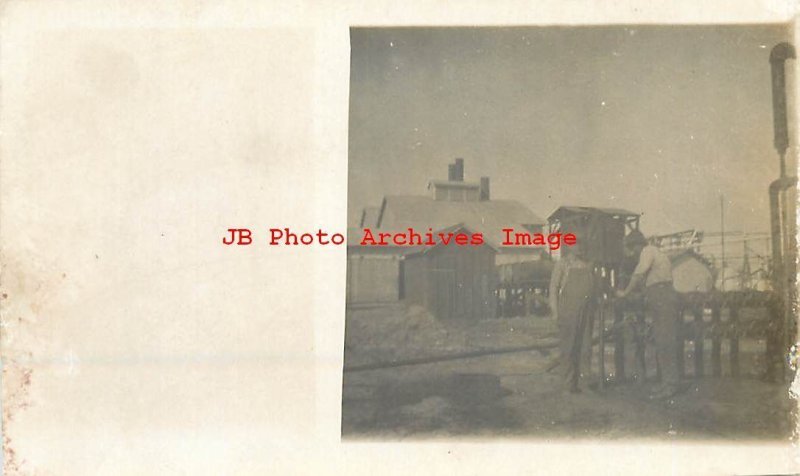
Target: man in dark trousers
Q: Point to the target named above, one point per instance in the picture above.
(654, 270)
(572, 303)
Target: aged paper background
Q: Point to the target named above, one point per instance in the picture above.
(133, 135)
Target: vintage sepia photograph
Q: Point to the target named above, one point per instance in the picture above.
(578, 232)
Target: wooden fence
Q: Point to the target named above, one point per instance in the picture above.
(716, 317)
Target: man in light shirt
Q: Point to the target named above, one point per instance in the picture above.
(654, 270)
(572, 301)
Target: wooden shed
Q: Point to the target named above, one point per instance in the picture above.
(452, 281)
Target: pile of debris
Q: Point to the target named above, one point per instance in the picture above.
(397, 332)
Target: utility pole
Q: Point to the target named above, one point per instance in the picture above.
(722, 227)
(746, 282)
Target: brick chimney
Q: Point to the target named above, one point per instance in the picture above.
(455, 189)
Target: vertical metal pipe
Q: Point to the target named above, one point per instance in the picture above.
(777, 59)
(782, 281)
(780, 277)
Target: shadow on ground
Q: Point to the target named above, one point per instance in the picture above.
(472, 398)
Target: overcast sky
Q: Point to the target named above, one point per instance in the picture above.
(658, 120)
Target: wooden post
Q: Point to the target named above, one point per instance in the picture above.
(619, 344)
(681, 342)
(774, 371)
(699, 345)
(526, 298)
(734, 351)
(601, 358)
(716, 342)
(639, 336)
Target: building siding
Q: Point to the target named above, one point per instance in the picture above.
(373, 278)
(453, 282)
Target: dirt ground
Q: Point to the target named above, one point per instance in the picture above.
(514, 394)
(396, 332)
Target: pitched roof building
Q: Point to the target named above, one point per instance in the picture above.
(454, 201)
(488, 217)
(377, 273)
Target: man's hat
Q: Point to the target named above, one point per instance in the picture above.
(635, 238)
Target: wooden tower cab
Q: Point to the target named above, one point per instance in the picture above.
(600, 230)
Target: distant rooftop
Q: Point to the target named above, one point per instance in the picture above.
(454, 202)
(573, 210)
(489, 217)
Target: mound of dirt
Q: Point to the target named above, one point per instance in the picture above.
(396, 332)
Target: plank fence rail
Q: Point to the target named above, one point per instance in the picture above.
(714, 317)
